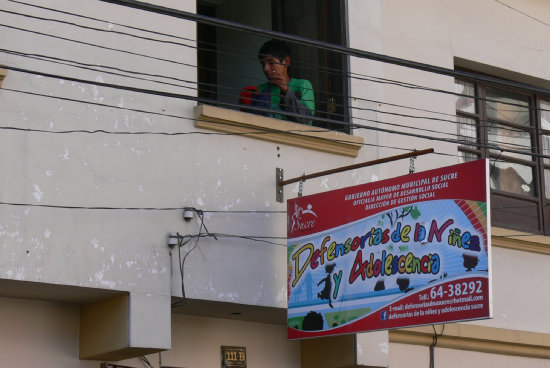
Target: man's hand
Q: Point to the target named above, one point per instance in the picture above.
(281, 81)
(276, 71)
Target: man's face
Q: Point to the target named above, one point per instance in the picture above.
(275, 70)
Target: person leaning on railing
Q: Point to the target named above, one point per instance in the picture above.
(280, 92)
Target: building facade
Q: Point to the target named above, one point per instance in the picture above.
(121, 125)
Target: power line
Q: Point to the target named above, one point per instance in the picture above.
(97, 46)
(197, 99)
(323, 45)
(101, 20)
(93, 67)
(94, 28)
(391, 113)
(251, 212)
(351, 75)
(259, 132)
(519, 11)
(373, 79)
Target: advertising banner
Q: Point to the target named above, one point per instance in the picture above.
(407, 251)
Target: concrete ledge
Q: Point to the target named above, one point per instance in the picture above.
(478, 338)
(124, 327)
(517, 240)
(279, 131)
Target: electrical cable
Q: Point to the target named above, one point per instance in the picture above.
(397, 82)
(155, 133)
(101, 20)
(197, 99)
(387, 123)
(202, 226)
(22, 204)
(408, 85)
(519, 11)
(356, 118)
(192, 82)
(146, 361)
(501, 150)
(94, 28)
(324, 45)
(351, 75)
(179, 37)
(90, 67)
(97, 46)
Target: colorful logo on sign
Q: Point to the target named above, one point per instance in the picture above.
(302, 219)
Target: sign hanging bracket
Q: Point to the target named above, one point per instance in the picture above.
(280, 182)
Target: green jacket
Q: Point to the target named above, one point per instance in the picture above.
(299, 99)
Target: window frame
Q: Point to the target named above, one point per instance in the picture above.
(511, 210)
(208, 66)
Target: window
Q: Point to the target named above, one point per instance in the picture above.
(512, 129)
(227, 59)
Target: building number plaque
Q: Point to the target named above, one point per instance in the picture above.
(233, 357)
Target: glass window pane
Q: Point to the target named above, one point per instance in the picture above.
(508, 138)
(464, 103)
(545, 114)
(513, 178)
(467, 131)
(466, 157)
(508, 106)
(546, 148)
(547, 183)
(545, 124)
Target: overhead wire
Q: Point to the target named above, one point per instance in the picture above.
(337, 122)
(198, 99)
(101, 20)
(94, 28)
(521, 12)
(383, 112)
(112, 208)
(525, 153)
(194, 132)
(190, 82)
(408, 85)
(351, 75)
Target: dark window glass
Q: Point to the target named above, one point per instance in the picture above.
(512, 129)
(227, 59)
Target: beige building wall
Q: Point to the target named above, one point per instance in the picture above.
(40, 333)
(126, 250)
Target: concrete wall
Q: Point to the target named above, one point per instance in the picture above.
(127, 250)
(39, 333)
(457, 34)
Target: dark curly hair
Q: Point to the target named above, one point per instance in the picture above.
(276, 48)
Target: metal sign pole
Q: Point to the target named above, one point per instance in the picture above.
(280, 182)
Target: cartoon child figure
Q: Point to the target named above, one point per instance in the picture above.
(326, 292)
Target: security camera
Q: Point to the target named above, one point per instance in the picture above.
(188, 214)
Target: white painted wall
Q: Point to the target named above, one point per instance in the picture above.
(126, 250)
(436, 33)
